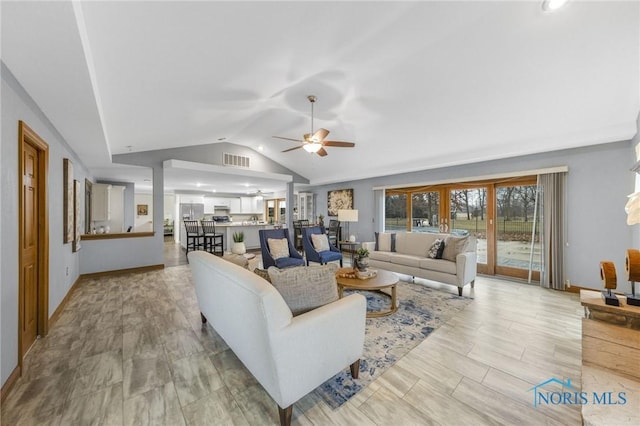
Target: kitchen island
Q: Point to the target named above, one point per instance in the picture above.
(250, 230)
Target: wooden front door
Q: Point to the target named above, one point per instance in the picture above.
(29, 284)
(33, 239)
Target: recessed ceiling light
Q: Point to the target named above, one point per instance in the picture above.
(552, 5)
(213, 190)
(260, 148)
(198, 184)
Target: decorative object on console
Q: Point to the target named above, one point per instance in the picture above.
(340, 199)
(348, 215)
(632, 268)
(609, 281)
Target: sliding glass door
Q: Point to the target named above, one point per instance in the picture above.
(500, 214)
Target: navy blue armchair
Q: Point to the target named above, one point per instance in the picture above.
(310, 251)
(294, 259)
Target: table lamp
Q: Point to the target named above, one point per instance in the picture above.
(348, 216)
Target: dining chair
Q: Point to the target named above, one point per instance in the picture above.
(194, 235)
(333, 232)
(213, 241)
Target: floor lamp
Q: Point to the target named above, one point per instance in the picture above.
(347, 216)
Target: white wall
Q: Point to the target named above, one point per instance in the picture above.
(17, 105)
(598, 183)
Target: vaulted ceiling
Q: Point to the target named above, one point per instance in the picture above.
(415, 85)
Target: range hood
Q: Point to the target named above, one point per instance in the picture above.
(220, 207)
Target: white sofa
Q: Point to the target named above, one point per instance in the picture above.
(289, 356)
(410, 258)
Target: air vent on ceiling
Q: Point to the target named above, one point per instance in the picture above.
(235, 160)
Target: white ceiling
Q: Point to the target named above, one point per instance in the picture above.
(415, 85)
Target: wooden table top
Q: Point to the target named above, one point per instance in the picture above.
(593, 300)
(383, 279)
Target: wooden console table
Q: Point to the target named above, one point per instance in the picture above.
(610, 358)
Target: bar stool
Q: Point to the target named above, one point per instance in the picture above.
(213, 242)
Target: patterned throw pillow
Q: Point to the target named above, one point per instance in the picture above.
(320, 242)
(304, 288)
(278, 248)
(437, 246)
(263, 273)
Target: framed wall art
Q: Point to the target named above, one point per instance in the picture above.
(77, 214)
(143, 209)
(338, 200)
(68, 205)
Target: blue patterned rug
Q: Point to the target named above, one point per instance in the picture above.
(389, 338)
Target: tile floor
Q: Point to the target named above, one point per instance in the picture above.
(131, 350)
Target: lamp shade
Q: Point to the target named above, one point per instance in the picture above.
(348, 215)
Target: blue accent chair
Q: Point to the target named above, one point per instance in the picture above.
(294, 259)
(312, 254)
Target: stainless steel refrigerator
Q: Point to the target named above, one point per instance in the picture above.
(193, 211)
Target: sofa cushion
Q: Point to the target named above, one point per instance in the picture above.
(438, 265)
(405, 259)
(453, 246)
(415, 243)
(320, 242)
(385, 241)
(381, 256)
(306, 287)
(436, 248)
(278, 247)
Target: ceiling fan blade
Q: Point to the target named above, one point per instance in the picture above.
(321, 152)
(319, 135)
(291, 149)
(287, 139)
(339, 144)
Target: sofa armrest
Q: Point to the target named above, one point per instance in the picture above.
(369, 245)
(318, 344)
(466, 267)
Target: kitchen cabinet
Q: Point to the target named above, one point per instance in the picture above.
(306, 206)
(251, 205)
(234, 205)
(100, 202)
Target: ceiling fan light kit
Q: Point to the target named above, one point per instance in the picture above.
(314, 142)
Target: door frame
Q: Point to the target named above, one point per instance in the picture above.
(27, 136)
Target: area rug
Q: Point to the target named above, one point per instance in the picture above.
(389, 338)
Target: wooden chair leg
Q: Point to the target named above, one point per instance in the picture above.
(355, 369)
(285, 415)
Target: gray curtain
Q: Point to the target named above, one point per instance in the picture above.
(553, 230)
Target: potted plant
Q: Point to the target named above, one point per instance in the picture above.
(238, 246)
(361, 259)
(321, 220)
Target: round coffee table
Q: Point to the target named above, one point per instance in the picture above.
(384, 279)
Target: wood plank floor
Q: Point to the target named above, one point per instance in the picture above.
(130, 350)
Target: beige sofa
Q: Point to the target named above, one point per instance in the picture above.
(289, 356)
(409, 255)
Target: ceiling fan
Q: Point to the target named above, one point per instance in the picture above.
(314, 141)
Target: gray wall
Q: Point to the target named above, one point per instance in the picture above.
(16, 105)
(597, 185)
